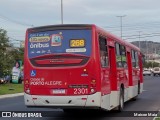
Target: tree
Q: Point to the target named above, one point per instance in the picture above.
(151, 64)
(4, 43)
(8, 54)
(10, 59)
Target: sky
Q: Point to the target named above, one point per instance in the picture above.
(140, 21)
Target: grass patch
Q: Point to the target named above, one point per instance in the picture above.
(10, 88)
(157, 118)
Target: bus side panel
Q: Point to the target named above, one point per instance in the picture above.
(95, 54)
(132, 90)
(103, 75)
(129, 68)
(136, 77)
(114, 96)
(113, 71)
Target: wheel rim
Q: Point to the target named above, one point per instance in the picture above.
(121, 102)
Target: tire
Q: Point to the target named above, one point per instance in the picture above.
(139, 87)
(121, 101)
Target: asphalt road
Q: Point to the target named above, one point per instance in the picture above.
(149, 100)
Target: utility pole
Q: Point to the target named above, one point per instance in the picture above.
(152, 54)
(121, 23)
(146, 50)
(61, 11)
(139, 39)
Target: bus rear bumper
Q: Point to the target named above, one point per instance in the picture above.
(93, 100)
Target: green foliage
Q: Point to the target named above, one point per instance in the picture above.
(8, 54)
(150, 64)
(3, 45)
(10, 88)
(157, 118)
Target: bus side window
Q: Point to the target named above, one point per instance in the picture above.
(121, 56)
(118, 55)
(103, 51)
(135, 60)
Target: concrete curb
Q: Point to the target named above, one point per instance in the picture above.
(11, 95)
(158, 117)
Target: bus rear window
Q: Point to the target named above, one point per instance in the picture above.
(59, 41)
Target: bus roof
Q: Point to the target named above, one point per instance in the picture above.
(61, 26)
(118, 39)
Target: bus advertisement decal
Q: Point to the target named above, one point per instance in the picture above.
(56, 40)
(40, 39)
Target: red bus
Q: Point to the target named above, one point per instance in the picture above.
(80, 66)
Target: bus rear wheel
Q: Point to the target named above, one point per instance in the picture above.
(121, 100)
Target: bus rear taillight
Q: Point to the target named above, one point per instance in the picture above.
(84, 73)
(93, 86)
(26, 87)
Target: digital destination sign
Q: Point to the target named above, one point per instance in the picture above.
(77, 43)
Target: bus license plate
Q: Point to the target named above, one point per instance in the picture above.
(59, 91)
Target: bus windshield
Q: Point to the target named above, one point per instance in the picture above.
(59, 41)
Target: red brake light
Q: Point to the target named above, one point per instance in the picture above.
(93, 86)
(26, 87)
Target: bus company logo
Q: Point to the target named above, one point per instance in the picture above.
(40, 39)
(39, 45)
(56, 39)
